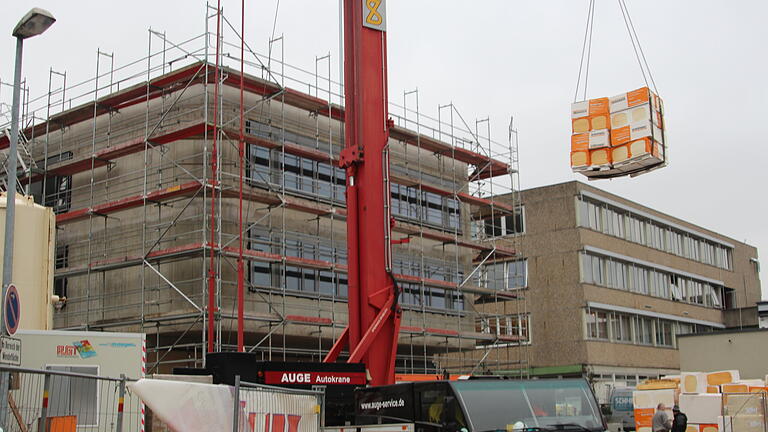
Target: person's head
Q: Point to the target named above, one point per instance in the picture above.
(661, 407)
(675, 409)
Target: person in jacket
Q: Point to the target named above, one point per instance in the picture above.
(661, 420)
(680, 420)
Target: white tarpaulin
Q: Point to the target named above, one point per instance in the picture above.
(268, 411)
(190, 407)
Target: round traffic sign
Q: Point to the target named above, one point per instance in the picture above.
(12, 309)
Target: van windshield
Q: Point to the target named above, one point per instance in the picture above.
(564, 404)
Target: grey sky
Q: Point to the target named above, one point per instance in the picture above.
(503, 58)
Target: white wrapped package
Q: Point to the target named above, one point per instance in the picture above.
(187, 407)
(651, 398)
(701, 408)
(693, 382)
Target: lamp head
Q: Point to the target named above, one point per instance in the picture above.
(35, 22)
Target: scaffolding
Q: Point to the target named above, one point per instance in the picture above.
(160, 190)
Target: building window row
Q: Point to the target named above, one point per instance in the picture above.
(266, 275)
(53, 191)
(614, 273)
(501, 225)
(509, 329)
(504, 276)
(637, 229)
(619, 327)
(322, 180)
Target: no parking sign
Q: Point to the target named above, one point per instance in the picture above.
(12, 309)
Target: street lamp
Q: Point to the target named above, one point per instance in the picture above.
(35, 22)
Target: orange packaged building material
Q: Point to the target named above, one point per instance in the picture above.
(600, 157)
(590, 115)
(631, 124)
(580, 159)
(644, 419)
(734, 388)
(620, 154)
(722, 377)
(708, 428)
(579, 142)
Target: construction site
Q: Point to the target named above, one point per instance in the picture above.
(160, 207)
(210, 237)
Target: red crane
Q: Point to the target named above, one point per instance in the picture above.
(374, 313)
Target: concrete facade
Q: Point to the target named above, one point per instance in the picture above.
(624, 326)
(744, 350)
(134, 237)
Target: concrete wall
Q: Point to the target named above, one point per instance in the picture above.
(556, 298)
(116, 299)
(743, 350)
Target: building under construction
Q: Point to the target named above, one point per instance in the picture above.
(160, 203)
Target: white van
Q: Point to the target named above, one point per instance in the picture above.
(619, 412)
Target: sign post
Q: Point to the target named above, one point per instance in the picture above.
(10, 351)
(12, 310)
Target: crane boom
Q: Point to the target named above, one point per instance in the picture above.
(374, 314)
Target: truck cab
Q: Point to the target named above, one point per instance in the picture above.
(483, 405)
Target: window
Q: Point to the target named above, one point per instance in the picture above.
(637, 329)
(517, 273)
(502, 226)
(75, 396)
(643, 330)
(509, 329)
(62, 261)
(621, 326)
(614, 273)
(664, 333)
(54, 191)
(597, 325)
(504, 275)
(408, 202)
(621, 223)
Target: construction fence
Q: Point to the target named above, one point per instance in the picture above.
(74, 398)
(68, 398)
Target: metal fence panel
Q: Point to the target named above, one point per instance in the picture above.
(70, 398)
(276, 409)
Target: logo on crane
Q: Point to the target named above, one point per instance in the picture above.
(374, 14)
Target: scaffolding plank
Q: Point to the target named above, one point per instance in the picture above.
(104, 156)
(302, 319)
(486, 166)
(417, 231)
(463, 197)
(128, 202)
(133, 260)
(130, 96)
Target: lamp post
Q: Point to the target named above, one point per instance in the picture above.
(35, 22)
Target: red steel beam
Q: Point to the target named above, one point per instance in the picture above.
(115, 101)
(128, 202)
(104, 156)
(487, 166)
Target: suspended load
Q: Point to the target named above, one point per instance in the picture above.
(618, 136)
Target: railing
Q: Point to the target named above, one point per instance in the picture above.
(68, 397)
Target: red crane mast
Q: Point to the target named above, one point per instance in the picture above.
(374, 313)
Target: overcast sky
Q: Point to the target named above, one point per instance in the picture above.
(499, 59)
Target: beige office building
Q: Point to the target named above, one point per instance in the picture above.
(606, 285)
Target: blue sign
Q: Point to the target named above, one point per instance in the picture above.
(623, 403)
(12, 310)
